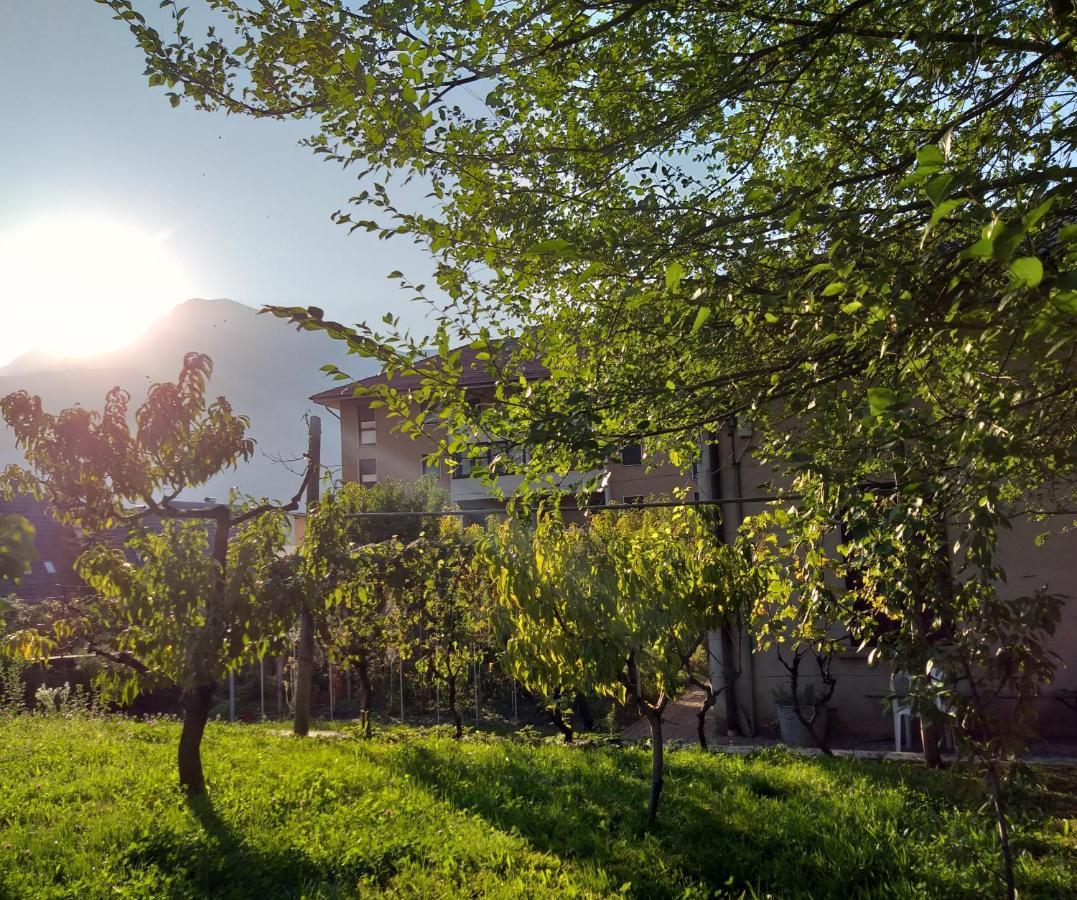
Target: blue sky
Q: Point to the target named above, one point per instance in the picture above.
(245, 209)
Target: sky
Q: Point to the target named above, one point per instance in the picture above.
(114, 206)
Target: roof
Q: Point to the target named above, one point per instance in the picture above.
(474, 374)
(57, 547)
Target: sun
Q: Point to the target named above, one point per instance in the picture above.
(82, 284)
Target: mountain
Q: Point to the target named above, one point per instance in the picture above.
(265, 368)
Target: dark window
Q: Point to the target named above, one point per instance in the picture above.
(632, 455)
(368, 429)
(368, 471)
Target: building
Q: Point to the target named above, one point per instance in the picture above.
(52, 574)
(372, 449)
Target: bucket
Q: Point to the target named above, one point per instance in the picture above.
(793, 732)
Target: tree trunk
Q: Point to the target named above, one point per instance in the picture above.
(729, 678)
(456, 717)
(655, 720)
(196, 704)
(304, 673)
(929, 734)
(701, 715)
(583, 709)
(560, 723)
(364, 694)
(999, 802)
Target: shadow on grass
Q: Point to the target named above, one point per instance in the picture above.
(722, 831)
(215, 862)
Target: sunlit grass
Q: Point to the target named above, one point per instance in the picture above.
(88, 808)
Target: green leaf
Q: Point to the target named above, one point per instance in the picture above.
(930, 155)
(881, 399)
(1007, 241)
(1038, 213)
(674, 274)
(1067, 281)
(552, 247)
(984, 248)
(851, 307)
(702, 314)
(835, 287)
(936, 188)
(945, 208)
(1027, 270)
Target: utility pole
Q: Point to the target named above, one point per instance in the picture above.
(305, 653)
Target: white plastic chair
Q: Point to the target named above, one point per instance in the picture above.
(903, 714)
(902, 709)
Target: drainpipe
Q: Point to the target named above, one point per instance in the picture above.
(725, 489)
(738, 484)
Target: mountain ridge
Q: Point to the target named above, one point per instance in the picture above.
(264, 367)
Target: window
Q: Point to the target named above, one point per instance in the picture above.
(464, 466)
(632, 455)
(50, 568)
(368, 471)
(431, 466)
(368, 431)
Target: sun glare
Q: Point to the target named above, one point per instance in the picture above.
(76, 286)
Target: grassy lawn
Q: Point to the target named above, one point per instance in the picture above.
(88, 808)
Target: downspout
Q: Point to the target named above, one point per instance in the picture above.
(725, 489)
(739, 484)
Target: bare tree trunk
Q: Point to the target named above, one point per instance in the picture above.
(560, 723)
(709, 699)
(583, 709)
(304, 674)
(657, 747)
(364, 694)
(929, 734)
(999, 802)
(305, 656)
(456, 717)
(196, 704)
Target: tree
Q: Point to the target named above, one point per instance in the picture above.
(351, 570)
(612, 608)
(450, 590)
(976, 659)
(852, 222)
(688, 211)
(191, 607)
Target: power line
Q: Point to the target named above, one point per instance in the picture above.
(621, 507)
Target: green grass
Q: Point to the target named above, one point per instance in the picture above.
(89, 808)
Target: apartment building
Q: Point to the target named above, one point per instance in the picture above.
(372, 448)
(1033, 553)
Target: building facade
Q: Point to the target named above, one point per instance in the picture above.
(1034, 554)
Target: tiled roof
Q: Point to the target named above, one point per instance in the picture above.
(474, 373)
(57, 547)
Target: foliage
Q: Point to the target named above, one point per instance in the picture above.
(689, 211)
(446, 594)
(175, 620)
(351, 572)
(188, 607)
(17, 550)
(494, 818)
(614, 608)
